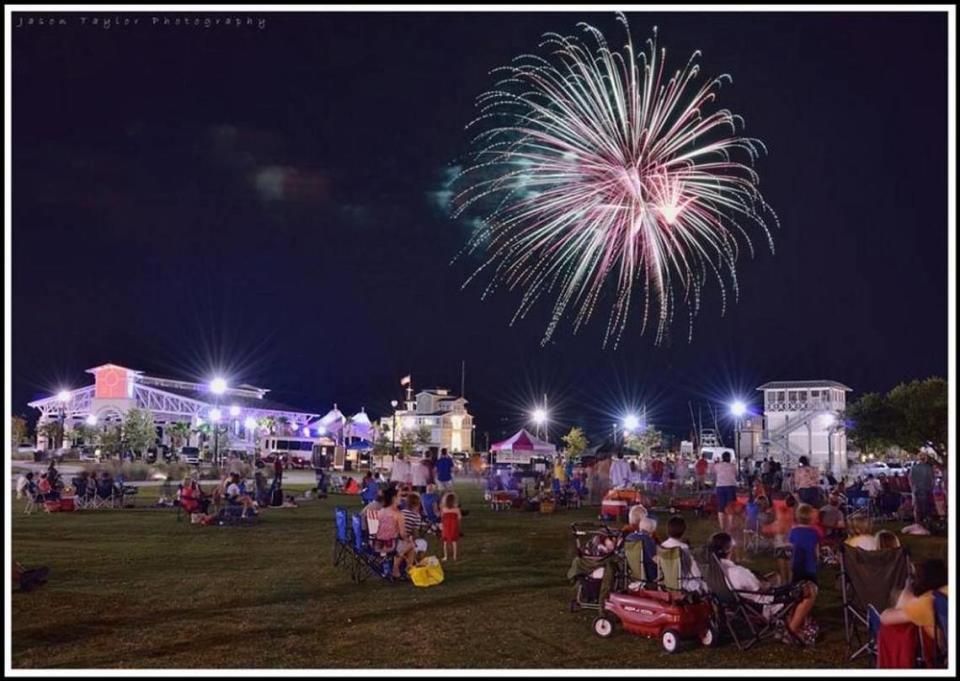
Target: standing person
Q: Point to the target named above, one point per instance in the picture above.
(450, 516)
(873, 488)
(277, 469)
(320, 471)
(700, 472)
(445, 471)
(398, 470)
(419, 474)
(806, 482)
(921, 484)
(619, 472)
(725, 482)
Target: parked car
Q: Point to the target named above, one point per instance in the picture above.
(190, 455)
(897, 468)
(89, 454)
(874, 468)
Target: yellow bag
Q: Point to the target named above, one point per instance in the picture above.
(428, 572)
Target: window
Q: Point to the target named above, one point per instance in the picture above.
(282, 445)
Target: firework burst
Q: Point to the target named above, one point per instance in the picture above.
(596, 176)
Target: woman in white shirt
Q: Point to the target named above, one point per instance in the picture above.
(418, 475)
(725, 474)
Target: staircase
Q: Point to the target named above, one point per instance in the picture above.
(779, 438)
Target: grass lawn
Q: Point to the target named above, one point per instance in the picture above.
(136, 588)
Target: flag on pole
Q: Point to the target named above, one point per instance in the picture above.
(405, 380)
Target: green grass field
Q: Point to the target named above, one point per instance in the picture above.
(136, 588)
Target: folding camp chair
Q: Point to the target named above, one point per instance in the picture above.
(342, 538)
(367, 559)
(940, 628)
(868, 578)
(750, 620)
(637, 550)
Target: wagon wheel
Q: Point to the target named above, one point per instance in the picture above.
(710, 637)
(603, 627)
(670, 640)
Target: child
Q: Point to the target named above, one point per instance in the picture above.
(450, 523)
(805, 540)
(887, 540)
(860, 535)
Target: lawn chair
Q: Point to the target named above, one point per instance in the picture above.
(868, 578)
(639, 551)
(748, 621)
(342, 538)
(940, 628)
(367, 559)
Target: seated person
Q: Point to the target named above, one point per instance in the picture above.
(887, 540)
(192, 499)
(637, 513)
(743, 580)
(860, 536)
(235, 496)
(691, 579)
(46, 490)
(352, 487)
(369, 488)
(896, 640)
(430, 503)
(831, 518)
(375, 505)
(645, 534)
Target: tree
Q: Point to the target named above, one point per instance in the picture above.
(870, 423)
(111, 441)
(139, 431)
(52, 431)
(268, 423)
(424, 436)
(89, 435)
(406, 444)
(382, 447)
(179, 433)
(643, 442)
(921, 408)
(575, 442)
(18, 431)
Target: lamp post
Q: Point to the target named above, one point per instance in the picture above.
(831, 421)
(737, 409)
(540, 419)
(63, 397)
(393, 431)
(218, 386)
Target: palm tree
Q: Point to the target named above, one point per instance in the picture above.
(179, 433)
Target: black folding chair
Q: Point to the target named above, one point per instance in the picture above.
(868, 578)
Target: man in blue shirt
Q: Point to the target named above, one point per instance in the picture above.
(445, 471)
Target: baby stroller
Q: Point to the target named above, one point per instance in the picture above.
(597, 567)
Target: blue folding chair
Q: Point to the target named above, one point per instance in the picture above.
(342, 539)
(940, 627)
(368, 560)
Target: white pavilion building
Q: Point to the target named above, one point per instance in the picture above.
(804, 418)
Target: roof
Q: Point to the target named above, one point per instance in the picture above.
(793, 385)
(230, 400)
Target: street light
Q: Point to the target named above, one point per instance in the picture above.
(631, 422)
(738, 409)
(234, 411)
(215, 417)
(91, 420)
(63, 397)
(393, 431)
(830, 421)
(540, 419)
(218, 386)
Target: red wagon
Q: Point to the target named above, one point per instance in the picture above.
(666, 615)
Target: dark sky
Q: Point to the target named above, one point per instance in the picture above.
(259, 202)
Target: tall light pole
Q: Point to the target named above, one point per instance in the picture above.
(540, 417)
(737, 410)
(63, 397)
(831, 422)
(218, 386)
(393, 432)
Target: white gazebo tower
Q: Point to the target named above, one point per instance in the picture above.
(805, 418)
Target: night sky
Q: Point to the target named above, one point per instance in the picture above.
(262, 202)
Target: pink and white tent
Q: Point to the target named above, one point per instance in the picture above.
(523, 442)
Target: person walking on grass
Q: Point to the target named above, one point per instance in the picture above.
(450, 523)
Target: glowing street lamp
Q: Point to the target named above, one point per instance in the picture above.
(218, 386)
(63, 397)
(738, 410)
(234, 411)
(540, 418)
(91, 420)
(631, 422)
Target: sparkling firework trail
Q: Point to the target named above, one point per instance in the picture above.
(595, 175)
